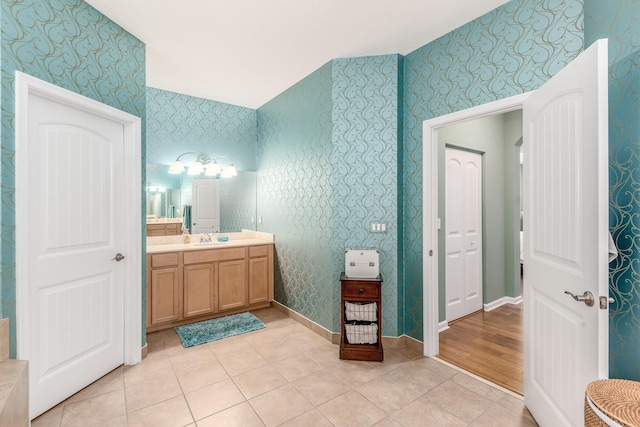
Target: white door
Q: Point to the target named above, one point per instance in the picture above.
(566, 219)
(463, 231)
(206, 206)
(75, 225)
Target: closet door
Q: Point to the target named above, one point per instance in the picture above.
(463, 230)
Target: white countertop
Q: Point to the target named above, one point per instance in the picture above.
(162, 244)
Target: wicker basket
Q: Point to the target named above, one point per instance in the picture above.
(617, 400)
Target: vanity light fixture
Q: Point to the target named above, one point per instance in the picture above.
(202, 164)
(153, 188)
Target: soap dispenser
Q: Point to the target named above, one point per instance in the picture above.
(185, 235)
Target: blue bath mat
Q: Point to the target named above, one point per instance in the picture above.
(217, 329)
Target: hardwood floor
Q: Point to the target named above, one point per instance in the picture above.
(488, 344)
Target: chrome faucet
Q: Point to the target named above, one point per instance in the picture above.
(205, 238)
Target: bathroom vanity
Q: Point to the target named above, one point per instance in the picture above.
(197, 281)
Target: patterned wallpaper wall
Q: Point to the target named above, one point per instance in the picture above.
(365, 170)
(619, 21)
(510, 50)
(177, 123)
(295, 194)
(70, 44)
(327, 168)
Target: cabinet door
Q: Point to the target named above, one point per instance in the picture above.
(199, 289)
(232, 284)
(165, 295)
(258, 280)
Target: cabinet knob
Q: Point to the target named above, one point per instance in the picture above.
(361, 291)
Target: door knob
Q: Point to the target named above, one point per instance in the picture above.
(119, 257)
(586, 298)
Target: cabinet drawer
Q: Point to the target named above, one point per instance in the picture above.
(173, 229)
(212, 255)
(256, 251)
(164, 260)
(360, 290)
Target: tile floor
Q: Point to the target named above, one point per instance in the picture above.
(283, 375)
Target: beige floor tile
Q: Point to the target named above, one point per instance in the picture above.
(310, 418)
(235, 344)
(351, 409)
(280, 405)
(326, 354)
(241, 415)
(214, 398)
(392, 360)
(276, 350)
(148, 369)
(477, 386)
(320, 387)
(113, 381)
(51, 418)
(515, 404)
(354, 373)
(423, 413)
(238, 363)
(94, 410)
(197, 369)
(417, 379)
(387, 422)
(435, 366)
(388, 394)
(170, 413)
(258, 381)
(297, 366)
(462, 402)
(496, 415)
(152, 391)
(114, 422)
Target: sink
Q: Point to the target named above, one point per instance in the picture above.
(209, 243)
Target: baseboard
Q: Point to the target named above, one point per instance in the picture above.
(144, 351)
(502, 301)
(443, 326)
(307, 323)
(403, 341)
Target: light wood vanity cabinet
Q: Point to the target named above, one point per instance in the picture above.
(166, 298)
(260, 270)
(189, 286)
(164, 229)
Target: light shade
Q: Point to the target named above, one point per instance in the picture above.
(176, 167)
(212, 169)
(229, 171)
(196, 168)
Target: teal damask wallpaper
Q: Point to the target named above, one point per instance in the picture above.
(619, 21)
(510, 50)
(366, 142)
(295, 193)
(327, 168)
(70, 44)
(177, 123)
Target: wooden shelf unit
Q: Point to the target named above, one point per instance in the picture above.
(361, 291)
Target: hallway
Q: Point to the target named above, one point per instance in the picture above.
(488, 344)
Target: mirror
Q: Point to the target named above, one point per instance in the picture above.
(167, 195)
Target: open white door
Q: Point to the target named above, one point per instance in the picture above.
(206, 206)
(78, 245)
(565, 228)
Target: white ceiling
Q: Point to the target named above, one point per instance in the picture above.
(245, 52)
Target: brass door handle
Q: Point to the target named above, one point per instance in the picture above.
(586, 298)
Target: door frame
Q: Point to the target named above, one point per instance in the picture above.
(26, 85)
(430, 128)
